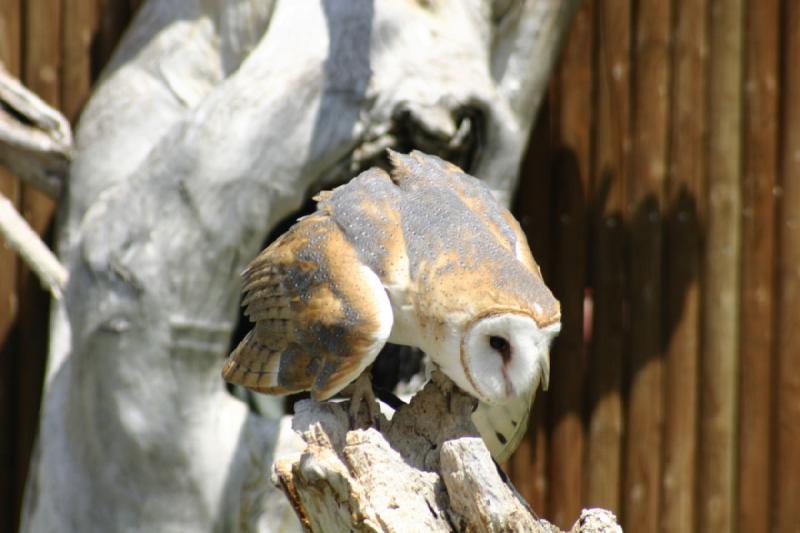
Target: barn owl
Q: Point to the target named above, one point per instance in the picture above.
(425, 257)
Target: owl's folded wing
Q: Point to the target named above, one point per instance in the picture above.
(321, 316)
(419, 170)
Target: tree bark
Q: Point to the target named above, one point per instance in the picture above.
(424, 470)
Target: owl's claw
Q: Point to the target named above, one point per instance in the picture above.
(361, 393)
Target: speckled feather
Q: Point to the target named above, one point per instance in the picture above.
(314, 319)
(453, 233)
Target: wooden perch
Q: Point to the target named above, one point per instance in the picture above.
(35, 139)
(425, 470)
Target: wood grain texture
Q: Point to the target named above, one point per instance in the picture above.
(756, 327)
(11, 35)
(786, 483)
(10, 55)
(611, 167)
(650, 123)
(571, 152)
(718, 421)
(80, 23)
(685, 187)
(41, 74)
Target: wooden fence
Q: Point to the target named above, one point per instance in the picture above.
(661, 194)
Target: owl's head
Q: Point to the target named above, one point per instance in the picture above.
(504, 355)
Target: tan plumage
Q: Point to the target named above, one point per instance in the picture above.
(310, 333)
(424, 257)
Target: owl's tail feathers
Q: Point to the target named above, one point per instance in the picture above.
(255, 366)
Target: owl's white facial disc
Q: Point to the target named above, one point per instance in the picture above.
(506, 355)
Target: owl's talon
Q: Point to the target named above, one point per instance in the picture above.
(361, 393)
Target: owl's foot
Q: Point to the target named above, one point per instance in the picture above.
(361, 394)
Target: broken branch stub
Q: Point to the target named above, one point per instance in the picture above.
(424, 470)
(35, 139)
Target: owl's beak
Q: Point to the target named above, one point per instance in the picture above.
(544, 359)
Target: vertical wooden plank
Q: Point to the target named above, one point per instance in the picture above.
(10, 35)
(756, 326)
(610, 170)
(41, 73)
(786, 481)
(42, 48)
(528, 465)
(113, 18)
(718, 429)
(650, 120)
(571, 167)
(687, 163)
(79, 25)
(10, 55)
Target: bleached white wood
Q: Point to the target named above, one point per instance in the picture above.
(16, 233)
(35, 139)
(424, 470)
(215, 120)
(35, 144)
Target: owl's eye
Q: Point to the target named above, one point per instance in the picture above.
(501, 346)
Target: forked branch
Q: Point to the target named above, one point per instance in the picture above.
(36, 145)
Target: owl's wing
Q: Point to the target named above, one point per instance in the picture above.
(321, 316)
(502, 427)
(418, 170)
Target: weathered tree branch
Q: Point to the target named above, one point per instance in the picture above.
(425, 470)
(35, 139)
(36, 144)
(21, 238)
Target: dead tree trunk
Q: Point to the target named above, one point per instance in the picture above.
(215, 120)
